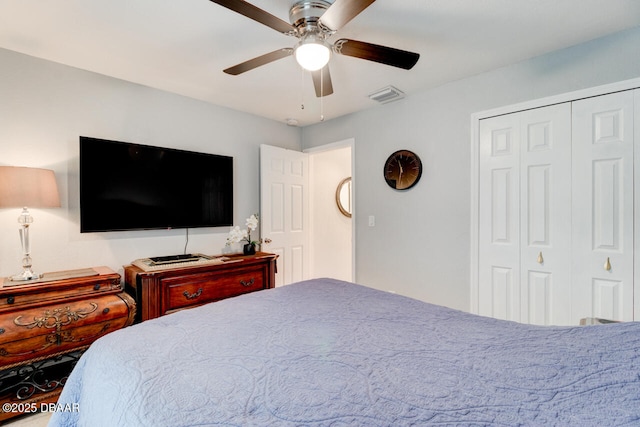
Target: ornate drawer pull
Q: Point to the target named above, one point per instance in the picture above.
(247, 284)
(57, 318)
(187, 295)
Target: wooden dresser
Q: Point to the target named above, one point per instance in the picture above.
(45, 326)
(175, 287)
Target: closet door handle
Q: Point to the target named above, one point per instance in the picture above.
(540, 259)
(607, 265)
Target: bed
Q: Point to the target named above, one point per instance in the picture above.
(330, 353)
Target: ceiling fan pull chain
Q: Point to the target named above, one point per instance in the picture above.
(301, 88)
(322, 92)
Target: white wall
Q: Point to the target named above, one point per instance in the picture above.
(420, 243)
(331, 231)
(45, 106)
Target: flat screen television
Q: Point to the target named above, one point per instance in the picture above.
(126, 186)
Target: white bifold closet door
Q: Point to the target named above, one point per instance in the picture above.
(556, 212)
(603, 247)
(525, 216)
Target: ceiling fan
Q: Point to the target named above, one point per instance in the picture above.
(313, 22)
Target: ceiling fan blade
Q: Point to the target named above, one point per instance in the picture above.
(258, 61)
(373, 52)
(257, 14)
(322, 82)
(343, 11)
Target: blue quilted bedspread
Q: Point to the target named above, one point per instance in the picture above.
(330, 353)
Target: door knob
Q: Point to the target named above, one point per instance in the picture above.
(607, 265)
(540, 259)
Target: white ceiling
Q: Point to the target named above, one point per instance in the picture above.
(182, 46)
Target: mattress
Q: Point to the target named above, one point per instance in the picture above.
(330, 353)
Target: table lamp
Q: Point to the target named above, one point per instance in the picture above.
(32, 187)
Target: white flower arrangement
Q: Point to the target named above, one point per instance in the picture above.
(237, 235)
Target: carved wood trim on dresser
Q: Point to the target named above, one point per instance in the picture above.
(176, 287)
(45, 326)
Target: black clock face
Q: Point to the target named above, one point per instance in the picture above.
(402, 170)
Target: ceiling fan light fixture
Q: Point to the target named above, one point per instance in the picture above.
(312, 53)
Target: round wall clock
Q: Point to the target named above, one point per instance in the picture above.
(402, 170)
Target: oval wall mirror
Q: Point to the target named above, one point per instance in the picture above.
(343, 197)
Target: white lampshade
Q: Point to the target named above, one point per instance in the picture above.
(312, 53)
(32, 187)
(27, 187)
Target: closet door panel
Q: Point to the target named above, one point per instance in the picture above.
(603, 230)
(636, 128)
(499, 222)
(525, 216)
(545, 200)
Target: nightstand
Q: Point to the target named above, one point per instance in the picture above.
(45, 326)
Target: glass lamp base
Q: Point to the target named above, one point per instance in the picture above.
(27, 274)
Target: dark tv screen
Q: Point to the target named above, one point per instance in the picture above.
(126, 186)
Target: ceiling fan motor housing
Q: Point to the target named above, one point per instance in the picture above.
(304, 15)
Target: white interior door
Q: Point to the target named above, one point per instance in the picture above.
(636, 175)
(499, 218)
(603, 206)
(284, 210)
(545, 215)
(524, 232)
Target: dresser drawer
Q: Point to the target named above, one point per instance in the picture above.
(95, 281)
(195, 290)
(50, 329)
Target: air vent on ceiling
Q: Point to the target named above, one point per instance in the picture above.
(387, 94)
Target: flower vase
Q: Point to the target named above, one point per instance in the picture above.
(249, 249)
